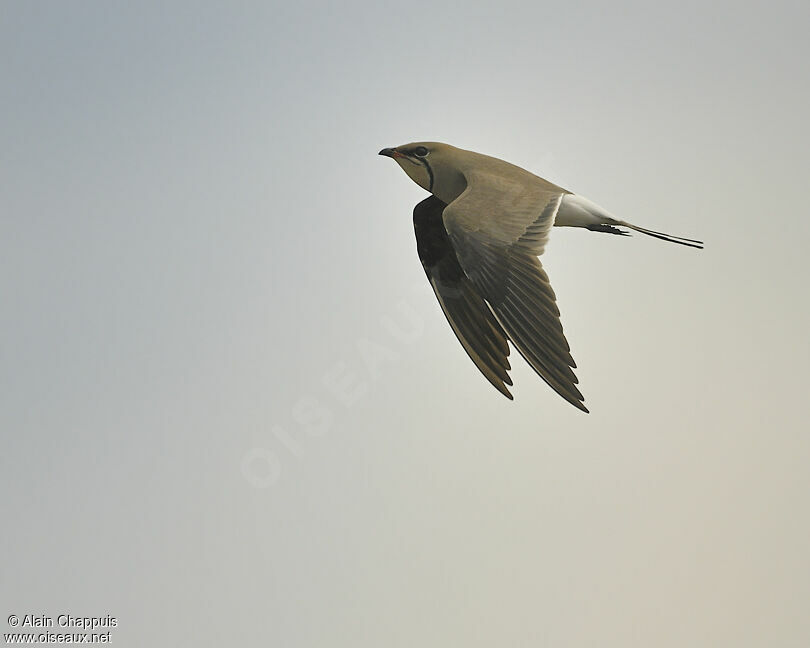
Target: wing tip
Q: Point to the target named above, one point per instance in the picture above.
(503, 389)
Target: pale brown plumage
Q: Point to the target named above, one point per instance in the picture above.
(478, 237)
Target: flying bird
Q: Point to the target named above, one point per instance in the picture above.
(478, 236)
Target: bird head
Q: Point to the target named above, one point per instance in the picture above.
(431, 165)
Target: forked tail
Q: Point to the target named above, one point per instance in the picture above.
(576, 211)
(664, 237)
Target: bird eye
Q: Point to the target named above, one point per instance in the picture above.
(420, 151)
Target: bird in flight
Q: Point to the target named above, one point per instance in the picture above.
(478, 236)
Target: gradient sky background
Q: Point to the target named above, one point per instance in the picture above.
(198, 241)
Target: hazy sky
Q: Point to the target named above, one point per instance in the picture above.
(232, 411)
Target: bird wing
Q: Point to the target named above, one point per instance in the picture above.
(468, 314)
(498, 226)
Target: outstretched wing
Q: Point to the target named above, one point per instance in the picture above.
(471, 319)
(498, 226)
